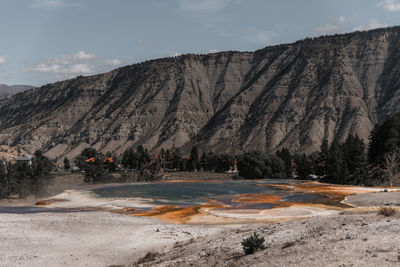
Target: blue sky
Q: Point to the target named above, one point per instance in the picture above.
(44, 41)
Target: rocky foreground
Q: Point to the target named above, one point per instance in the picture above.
(355, 237)
(364, 239)
(54, 238)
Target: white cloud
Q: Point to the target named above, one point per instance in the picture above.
(47, 3)
(115, 62)
(72, 64)
(213, 51)
(175, 54)
(203, 6)
(263, 37)
(372, 24)
(78, 57)
(54, 4)
(2, 60)
(81, 55)
(336, 25)
(390, 5)
(61, 69)
(69, 66)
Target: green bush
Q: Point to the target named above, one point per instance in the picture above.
(252, 244)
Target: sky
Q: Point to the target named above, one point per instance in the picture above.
(44, 41)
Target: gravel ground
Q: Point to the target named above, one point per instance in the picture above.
(86, 238)
(375, 199)
(355, 237)
(341, 240)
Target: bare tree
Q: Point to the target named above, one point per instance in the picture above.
(391, 167)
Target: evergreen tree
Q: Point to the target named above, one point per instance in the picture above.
(285, 155)
(130, 159)
(303, 166)
(67, 165)
(5, 185)
(161, 158)
(320, 162)
(138, 160)
(204, 162)
(167, 159)
(335, 164)
(251, 165)
(374, 146)
(211, 161)
(40, 176)
(178, 162)
(23, 178)
(223, 162)
(144, 158)
(95, 172)
(79, 161)
(256, 165)
(384, 138)
(194, 162)
(89, 152)
(20, 179)
(355, 159)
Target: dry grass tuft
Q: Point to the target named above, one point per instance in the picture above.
(387, 211)
(150, 256)
(288, 244)
(45, 202)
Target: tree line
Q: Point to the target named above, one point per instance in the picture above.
(139, 164)
(348, 162)
(22, 179)
(352, 162)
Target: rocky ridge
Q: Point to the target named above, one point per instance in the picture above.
(290, 95)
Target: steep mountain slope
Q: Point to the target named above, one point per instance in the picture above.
(6, 91)
(290, 95)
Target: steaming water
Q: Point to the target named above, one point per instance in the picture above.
(195, 193)
(146, 196)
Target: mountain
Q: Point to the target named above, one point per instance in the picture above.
(10, 153)
(290, 95)
(6, 91)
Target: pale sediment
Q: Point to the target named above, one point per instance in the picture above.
(206, 235)
(218, 212)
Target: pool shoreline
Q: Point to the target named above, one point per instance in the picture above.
(213, 211)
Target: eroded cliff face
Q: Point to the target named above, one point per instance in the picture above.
(283, 96)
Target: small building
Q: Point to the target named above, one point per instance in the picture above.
(25, 158)
(91, 160)
(234, 170)
(75, 169)
(109, 164)
(109, 160)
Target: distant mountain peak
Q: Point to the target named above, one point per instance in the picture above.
(7, 90)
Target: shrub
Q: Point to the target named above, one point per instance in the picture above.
(252, 244)
(387, 211)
